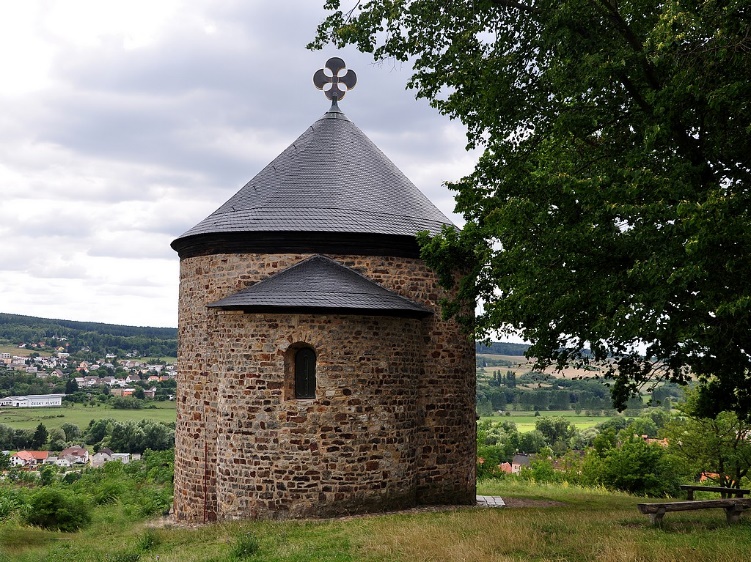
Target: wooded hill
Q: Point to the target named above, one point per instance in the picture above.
(94, 337)
(501, 348)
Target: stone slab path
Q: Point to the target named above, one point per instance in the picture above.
(490, 501)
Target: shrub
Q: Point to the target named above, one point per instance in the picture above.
(148, 541)
(108, 492)
(246, 545)
(10, 502)
(55, 509)
(635, 467)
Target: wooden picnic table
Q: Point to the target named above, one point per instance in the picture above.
(726, 492)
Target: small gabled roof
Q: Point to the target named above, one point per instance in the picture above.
(32, 455)
(318, 285)
(75, 450)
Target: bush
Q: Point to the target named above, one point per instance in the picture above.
(55, 509)
(11, 500)
(108, 492)
(246, 546)
(635, 467)
(126, 403)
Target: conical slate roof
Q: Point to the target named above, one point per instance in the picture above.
(332, 179)
(319, 284)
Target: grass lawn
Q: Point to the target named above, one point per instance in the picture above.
(525, 421)
(22, 351)
(573, 525)
(29, 418)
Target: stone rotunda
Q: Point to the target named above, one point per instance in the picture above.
(316, 375)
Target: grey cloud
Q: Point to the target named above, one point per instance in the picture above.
(131, 148)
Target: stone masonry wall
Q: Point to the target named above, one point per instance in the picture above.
(349, 450)
(242, 450)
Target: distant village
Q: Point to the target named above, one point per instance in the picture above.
(69, 457)
(116, 377)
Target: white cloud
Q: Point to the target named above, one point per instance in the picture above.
(126, 123)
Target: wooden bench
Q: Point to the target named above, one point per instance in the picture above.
(726, 492)
(733, 508)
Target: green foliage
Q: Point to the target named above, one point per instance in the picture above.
(47, 475)
(541, 470)
(127, 402)
(148, 541)
(136, 437)
(611, 205)
(58, 510)
(98, 430)
(535, 391)
(532, 442)
(557, 431)
(635, 467)
(40, 437)
(12, 499)
(501, 348)
(71, 430)
(98, 338)
(246, 546)
(718, 445)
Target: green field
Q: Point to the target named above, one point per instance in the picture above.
(22, 351)
(525, 421)
(29, 418)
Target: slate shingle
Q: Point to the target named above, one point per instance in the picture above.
(333, 178)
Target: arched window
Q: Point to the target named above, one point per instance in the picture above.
(305, 373)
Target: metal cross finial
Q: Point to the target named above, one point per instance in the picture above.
(335, 65)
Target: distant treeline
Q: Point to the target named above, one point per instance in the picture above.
(95, 337)
(501, 348)
(537, 391)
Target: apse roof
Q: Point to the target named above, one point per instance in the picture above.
(319, 284)
(334, 179)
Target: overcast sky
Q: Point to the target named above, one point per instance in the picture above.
(125, 123)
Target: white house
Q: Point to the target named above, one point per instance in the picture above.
(28, 458)
(33, 401)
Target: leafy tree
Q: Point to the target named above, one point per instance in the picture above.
(555, 430)
(136, 437)
(98, 430)
(47, 475)
(56, 439)
(718, 445)
(531, 442)
(71, 386)
(71, 430)
(126, 403)
(541, 469)
(40, 437)
(635, 467)
(641, 426)
(23, 438)
(604, 442)
(610, 207)
(7, 437)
